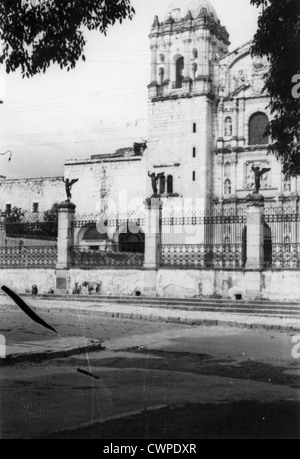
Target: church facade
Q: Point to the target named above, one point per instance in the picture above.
(207, 114)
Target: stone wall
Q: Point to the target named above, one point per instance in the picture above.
(274, 285)
(21, 280)
(115, 282)
(118, 183)
(23, 193)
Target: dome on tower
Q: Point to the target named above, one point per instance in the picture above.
(179, 9)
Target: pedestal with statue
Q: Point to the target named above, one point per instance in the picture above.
(152, 258)
(255, 237)
(65, 240)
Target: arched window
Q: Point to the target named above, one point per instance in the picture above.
(162, 185)
(170, 184)
(195, 53)
(257, 129)
(161, 75)
(162, 58)
(92, 234)
(179, 72)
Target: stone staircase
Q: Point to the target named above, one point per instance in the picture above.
(257, 308)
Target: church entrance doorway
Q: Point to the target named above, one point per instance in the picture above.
(134, 243)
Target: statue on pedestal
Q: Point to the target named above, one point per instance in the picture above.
(68, 186)
(154, 179)
(258, 173)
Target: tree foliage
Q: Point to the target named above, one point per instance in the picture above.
(278, 38)
(16, 215)
(51, 215)
(37, 33)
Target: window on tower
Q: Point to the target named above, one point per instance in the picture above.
(35, 207)
(170, 184)
(162, 185)
(195, 71)
(179, 72)
(161, 75)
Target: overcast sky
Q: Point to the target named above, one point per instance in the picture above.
(102, 104)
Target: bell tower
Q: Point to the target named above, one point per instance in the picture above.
(185, 52)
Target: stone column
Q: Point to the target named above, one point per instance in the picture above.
(152, 245)
(168, 64)
(220, 115)
(2, 234)
(241, 122)
(255, 245)
(187, 59)
(206, 61)
(220, 162)
(233, 162)
(66, 212)
(255, 231)
(235, 124)
(153, 65)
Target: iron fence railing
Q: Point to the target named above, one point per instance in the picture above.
(28, 257)
(105, 257)
(214, 256)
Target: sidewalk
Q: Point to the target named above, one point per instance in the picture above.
(60, 347)
(167, 314)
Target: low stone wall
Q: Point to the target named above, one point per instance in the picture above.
(21, 280)
(269, 285)
(196, 283)
(272, 285)
(115, 282)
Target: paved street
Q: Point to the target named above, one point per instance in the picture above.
(197, 382)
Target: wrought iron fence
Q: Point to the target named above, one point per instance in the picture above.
(285, 256)
(28, 257)
(109, 220)
(282, 237)
(215, 256)
(204, 239)
(203, 228)
(105, 257)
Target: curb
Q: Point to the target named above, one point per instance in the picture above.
(180, 320)
(33, 357)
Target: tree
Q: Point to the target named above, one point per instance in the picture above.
(51, 215)
(278, 39)
(36, 33)
(16, 215)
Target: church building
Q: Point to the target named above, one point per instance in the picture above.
(207, 115)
